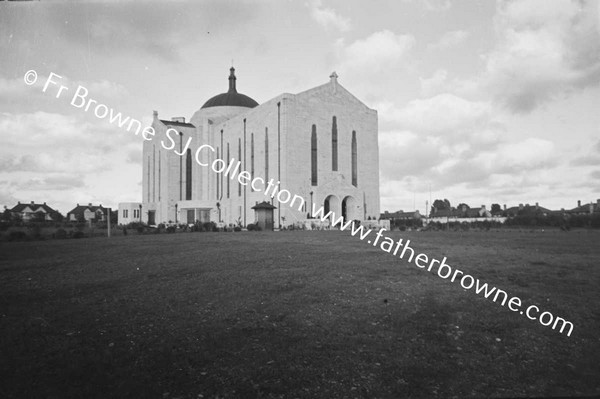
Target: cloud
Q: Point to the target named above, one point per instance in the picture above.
(450, 39)
(56, 143)
(406, 154)
(378, 51)
(15, 94)
(158, 29)
(135, 156)
(545, 50)
(56, 182)
(437, 5)
(441, 114)
(586, 160)
(328, 18)
(448, 141)
(430, 86)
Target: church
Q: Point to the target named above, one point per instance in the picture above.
(320, 145)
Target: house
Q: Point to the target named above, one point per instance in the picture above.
(33, 211)
(87, 212)
(527, 210)
(481, 212)
(585, 209)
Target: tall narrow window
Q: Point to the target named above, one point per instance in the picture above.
(228, 180)
(148, 178)
(266, 154)
(251, 159)
(354, 160)
(159, 174)
(221, 174)
(313, 156)
(239, 159)
(218, 177)
(188, 175)
(334, 145)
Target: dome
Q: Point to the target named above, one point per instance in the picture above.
(232, 98)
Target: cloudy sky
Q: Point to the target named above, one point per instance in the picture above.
(478, 101)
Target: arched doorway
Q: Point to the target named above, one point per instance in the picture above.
(349, 208)
(332, 204)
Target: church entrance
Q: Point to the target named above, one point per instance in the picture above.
(194, 215)
(191, 216)
(332, 204)
(151, 217)
(349, 208)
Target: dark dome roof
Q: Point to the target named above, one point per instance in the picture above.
(232, 97)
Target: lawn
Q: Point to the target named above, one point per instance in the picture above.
(296, 314)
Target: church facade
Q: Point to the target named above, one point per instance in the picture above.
(320, 145)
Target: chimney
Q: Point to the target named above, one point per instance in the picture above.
(504, 206)
(155, 114)
(180, 119)
(31, 202)
(483, 207)
(578, 203)
(520, 207)
(537, 206)
(89, 204)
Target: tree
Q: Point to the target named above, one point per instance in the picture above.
(57, 216)
(496, 209)
(6, 215)
(440, 205)
(114, 216)
(461, 205)
(39, 217)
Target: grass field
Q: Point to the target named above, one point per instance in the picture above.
(295, 314)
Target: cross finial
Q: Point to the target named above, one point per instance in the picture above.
(333, 81)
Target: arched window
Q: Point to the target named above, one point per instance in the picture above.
(188, 174)
(334, 145)
(313, 156)
(354, 160)
(251, 159)
(266, 154)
